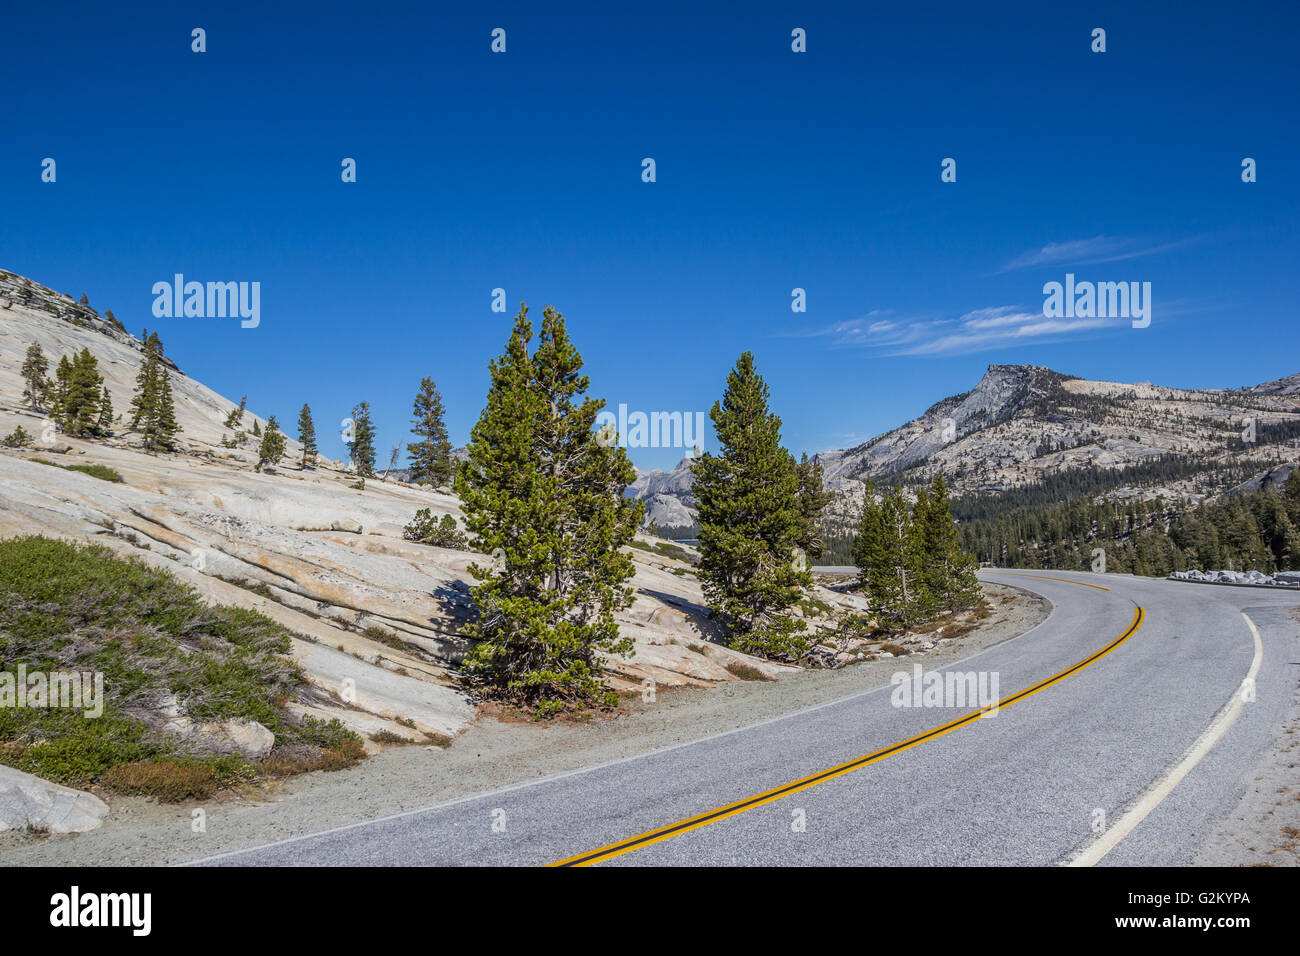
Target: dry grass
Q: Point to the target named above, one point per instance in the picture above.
(388, 737)
(347, 754)
(746, 671)
(171, 781)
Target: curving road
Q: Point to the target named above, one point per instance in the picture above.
(1118, 742)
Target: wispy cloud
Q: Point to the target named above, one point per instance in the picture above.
(974, 331)
(1090, 251)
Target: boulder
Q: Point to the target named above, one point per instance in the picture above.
(246, 737)
(27, 801)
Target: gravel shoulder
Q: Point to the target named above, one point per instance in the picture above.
(1263, 829)
(493, 753)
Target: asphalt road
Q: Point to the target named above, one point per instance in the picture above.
(1130, 673)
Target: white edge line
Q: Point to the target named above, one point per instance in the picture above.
(509, 788)
(1138, 811)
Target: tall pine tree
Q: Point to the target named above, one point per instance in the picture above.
(307, 436)
(751, 521)
(105, 424)
(361, 449)
(430, 456)
(153, 408)
(888, 555)
(36, 386)
(947, 572)
(59, 392)
(813, 499)
(545, 498)
(82, 403)
(77, 395)
(271, 449)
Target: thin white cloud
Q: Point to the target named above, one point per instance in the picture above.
(1090, 251)
(973, 331)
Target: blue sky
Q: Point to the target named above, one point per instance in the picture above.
(775, 170)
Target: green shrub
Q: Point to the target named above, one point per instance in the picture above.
(778, 638)
(102, 472)
(441, 534)
(73, 607)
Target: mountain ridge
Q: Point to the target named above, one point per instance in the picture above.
(1020, 424)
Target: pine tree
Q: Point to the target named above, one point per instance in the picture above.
(167, 426)
(153, 409)
(81, 397)
(430, 456)
(257, 428)
(236, 416)
(271, 449)
(37, 386)
(750, 521)
(947, 572)
(307, 437)
(813, 499)
(59, 393)
(888, 555)
(869, 541)
(105, 423)
(362, 447)
(545, 498)
(145, 400)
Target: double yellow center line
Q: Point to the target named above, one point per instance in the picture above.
(768, 796)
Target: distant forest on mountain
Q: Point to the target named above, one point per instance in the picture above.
(1058, 522)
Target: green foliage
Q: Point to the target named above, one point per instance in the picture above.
(102, 472)
(813, 499)
(947, 573)
(431, 461)
(77, 408)
(910, 562)
(541, 493)
(81, 608)
(18, 438)
(153, 409)
(307, 437)
(362, 447)
(441, 534)
(236, 416)
(752, 523)
(1257, 531)
(271, 450)
(889, 555)
(36, 387)
(104, 424)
